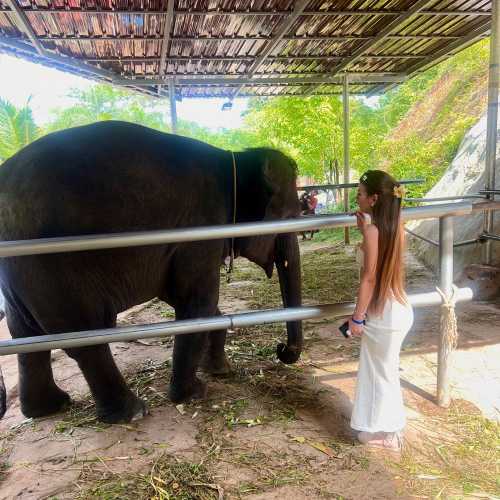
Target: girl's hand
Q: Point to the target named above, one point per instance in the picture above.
(355, 329)
(361, 221)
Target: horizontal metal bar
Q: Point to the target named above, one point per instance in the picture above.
(231, 77)
(436, 244)
(283, 93)
(187, 12)
(118, 240)
(320, 187)
(423, 238)
(487, 236)
(489, 191)
(290, 57)
(445, 198)
(183, 327)
(225, 38)
(466, 243)
(238, 80)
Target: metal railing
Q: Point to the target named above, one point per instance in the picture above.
(78, 339)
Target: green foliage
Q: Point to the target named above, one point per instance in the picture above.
(311, 131)
(429, 115)
(104, 102)
(17, 128)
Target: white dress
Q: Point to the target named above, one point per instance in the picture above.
(378, 402)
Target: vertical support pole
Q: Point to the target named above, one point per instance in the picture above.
(345, 101)
(491, 127)
(446, 285)
(173, 108)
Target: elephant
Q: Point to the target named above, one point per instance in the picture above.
(113, 177)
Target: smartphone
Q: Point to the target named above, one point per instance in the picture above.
(344, 330)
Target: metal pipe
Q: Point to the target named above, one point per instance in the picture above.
(492, 122)
(423, 238)
(345, 102)
(446, 284)
(182, 327)
(262, 79)
(445, 198)
(142, 238)
(466, 243)
(173, 107)
(492, 237)
(350, 185)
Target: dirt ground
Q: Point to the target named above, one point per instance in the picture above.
(269, 431)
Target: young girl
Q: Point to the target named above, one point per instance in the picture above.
(378, 411)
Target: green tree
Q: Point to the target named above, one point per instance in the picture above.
(104, 102)
(428, 116)
(311, 131)
(17, 128)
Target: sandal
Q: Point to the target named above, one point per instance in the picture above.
(391, 441)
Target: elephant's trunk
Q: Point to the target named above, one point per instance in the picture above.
(3, 396)
(287, 258)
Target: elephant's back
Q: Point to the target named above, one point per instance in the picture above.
(104, 177)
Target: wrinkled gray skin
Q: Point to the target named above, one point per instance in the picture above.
(113, 177)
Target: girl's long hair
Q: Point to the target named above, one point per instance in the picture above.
(387, 217)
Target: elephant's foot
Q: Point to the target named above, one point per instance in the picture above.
(122, 411)
(54, 402)
(184, 392)
(218, 367)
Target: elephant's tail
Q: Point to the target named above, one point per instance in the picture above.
(3, 396)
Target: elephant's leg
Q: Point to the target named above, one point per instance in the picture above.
(214, 360)
(195, 294)
(185, 385)
(38, 393)
(115, 402)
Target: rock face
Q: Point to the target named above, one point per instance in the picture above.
(464, 176)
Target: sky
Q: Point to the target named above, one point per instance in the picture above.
(47, 89)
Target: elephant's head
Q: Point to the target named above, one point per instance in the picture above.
(267, 190)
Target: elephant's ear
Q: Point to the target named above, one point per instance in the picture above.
(280, 177)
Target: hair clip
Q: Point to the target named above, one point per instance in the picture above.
(399, 191)
(363, 178)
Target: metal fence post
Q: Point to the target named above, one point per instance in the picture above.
(345, 99)
(446, 285)
(492, 123)
(173, 106)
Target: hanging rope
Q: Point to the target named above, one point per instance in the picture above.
(229, 263)
(448, 321)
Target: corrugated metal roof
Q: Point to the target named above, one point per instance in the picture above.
(274, 47)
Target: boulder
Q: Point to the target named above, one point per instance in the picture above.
(465, 175)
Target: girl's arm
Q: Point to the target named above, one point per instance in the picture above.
(368, 277)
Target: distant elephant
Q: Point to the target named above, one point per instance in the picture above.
(112, 177)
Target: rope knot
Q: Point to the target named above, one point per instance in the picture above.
(449, 319)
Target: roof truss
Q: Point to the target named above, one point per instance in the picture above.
(243, 51)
